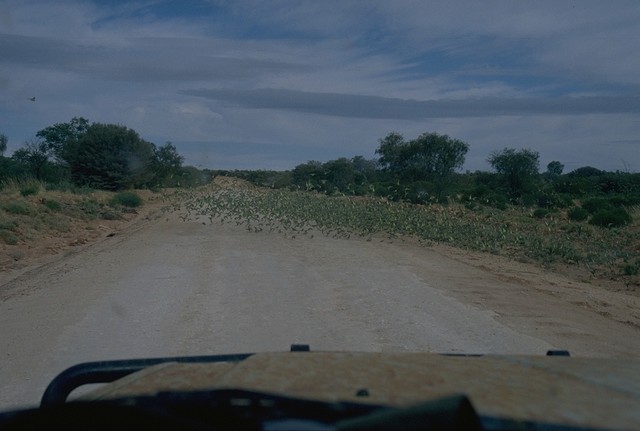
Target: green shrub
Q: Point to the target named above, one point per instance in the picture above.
(527, 200)
(127, 199)
(52, 204)
(8, 225)
(91, 208)
(577, 214)
(553, 200)
(594, 205)
(614, 217)
(110, 215)
(8, 237)
(20, 208)
(29, 190)
(631, 268)
(624, 200)
(540, 212)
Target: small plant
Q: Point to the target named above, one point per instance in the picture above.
(127, 199)
(632, 269)
(8, 225)
(540, 212)
(90, 208)
(107, 214)
(594, 205)
(52, 204)
(30, 190)
(8, 237)
(20, 208)
(577, 214)
(615, 217)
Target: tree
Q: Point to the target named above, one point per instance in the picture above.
(517, 168)
(366, 170)
(110, 157)
(3, 143)
(339, 175)
(308, 175)
(62, 138)
(430, 156)
(555, 168)
(390, 151)
(34, 155)
(586, 171)
(166, 164)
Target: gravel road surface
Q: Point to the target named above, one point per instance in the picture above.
(164, 287)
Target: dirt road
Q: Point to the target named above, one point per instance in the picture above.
(165, 287)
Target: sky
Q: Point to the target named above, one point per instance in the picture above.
(248, 84)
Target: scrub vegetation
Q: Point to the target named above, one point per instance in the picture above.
(585, 220)
(32, 218)
(553, 241)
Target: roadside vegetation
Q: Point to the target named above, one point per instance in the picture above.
(77, 176)
(34, 214)
(585, 220)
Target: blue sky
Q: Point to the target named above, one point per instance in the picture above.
(272, 84)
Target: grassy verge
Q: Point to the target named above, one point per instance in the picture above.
(551, 241)
(31, 214)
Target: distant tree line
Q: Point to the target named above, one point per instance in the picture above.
(96, 155)
(427, 170)
(422, 170)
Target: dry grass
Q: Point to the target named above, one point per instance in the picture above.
(35, 221)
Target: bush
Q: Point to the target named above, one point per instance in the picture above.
(8, 225)
(30, 190)
(19, 207)
(632, 269)
(594, 205)
(540, 212)
(127, 199)
(624, 200)
(553, 200)
(577, 214)
(52, 204)
(614, 217)
(8, 237)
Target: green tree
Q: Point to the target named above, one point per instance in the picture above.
(3, 143)
(366, 171)
(428, 157)
(62, 138)
(111, 157)
(391, 149)
(339, 175)
(586, 172)
(308, 176)
(555, 168)
(34, 155)
(166, 164)
(517, 168)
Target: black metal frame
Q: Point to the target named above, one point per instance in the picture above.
(108, 371)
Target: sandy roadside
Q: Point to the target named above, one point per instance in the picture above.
(158, 286)
(515, 280)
